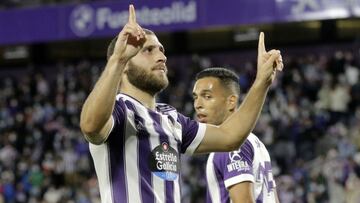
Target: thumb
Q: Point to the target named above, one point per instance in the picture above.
(272, 59)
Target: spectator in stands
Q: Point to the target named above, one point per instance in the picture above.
(34, 125)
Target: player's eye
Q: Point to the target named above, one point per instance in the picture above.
(148, 49)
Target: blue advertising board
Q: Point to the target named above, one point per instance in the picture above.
(101, 19)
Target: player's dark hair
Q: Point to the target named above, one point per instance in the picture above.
(228, 78)
(111, 47)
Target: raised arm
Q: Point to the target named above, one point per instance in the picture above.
(233, 132)
(95, 119)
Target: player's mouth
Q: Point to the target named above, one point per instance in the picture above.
(201, 118)
(161, 68)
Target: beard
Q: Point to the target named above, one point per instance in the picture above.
(145, 80)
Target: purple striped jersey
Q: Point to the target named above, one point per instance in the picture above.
(140, 160)
(250, 163)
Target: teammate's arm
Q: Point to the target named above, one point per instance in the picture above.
(238, 126)
(95, 119)
(242, 192)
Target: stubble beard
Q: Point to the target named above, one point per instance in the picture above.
(145, 81)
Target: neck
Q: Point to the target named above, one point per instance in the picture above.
(144, 98)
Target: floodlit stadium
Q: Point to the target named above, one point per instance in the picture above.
(52, 53)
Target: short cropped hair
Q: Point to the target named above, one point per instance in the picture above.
(228, 78)
(111, 47)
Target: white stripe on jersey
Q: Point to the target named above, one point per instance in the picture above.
(167, 129)
(131, 166)
(98, 152)
(157, 183)
(237, 179)
(196, 142)
(178, 131)
(131, 183)
(177, 194)
(261, 175)
(214, 191)
(177, 128)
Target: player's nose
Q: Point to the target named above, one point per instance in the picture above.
(160, 57)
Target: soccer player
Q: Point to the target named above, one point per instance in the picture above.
(243, 175)
(135, 142)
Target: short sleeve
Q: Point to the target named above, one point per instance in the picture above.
(236, 166)
(118, 116)
(192, 134)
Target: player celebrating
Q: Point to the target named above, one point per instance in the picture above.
(135, 142)
(243, 175)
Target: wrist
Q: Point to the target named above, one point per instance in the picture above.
(117, 59)
(261, 83)
(116, 63)
(115, 66)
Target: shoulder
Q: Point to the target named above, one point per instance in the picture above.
(245, 151)
(120, 100)
(165, 108)
(259, 149)
(249, 144)
(254, 141)
(220, 156)
(128, 102)
(171, 112)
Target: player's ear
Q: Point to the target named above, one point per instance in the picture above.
(232, 102)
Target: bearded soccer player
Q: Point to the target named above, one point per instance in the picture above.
(239, 176)
(135, 142)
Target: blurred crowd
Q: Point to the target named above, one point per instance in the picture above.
(310, 125)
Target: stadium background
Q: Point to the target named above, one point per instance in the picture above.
(52, 52)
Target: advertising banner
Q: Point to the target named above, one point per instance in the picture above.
(102, 19)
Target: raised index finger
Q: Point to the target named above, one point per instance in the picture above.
(261, 45)
(132, 15)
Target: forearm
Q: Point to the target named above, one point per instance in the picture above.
(242, 192)
(99, 105)
(243, 121)
(238, 126)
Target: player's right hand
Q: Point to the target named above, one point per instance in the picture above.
(131, 38)
(267, 62)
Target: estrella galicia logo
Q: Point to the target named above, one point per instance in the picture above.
(82, 20)
(164, 162)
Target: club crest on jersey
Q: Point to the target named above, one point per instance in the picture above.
(165, 146)
(237, 163)
(235, 155)
(164, 162)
